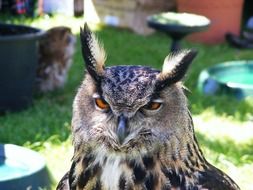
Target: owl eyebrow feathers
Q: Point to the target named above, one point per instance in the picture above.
(174, 68)
(93, 53)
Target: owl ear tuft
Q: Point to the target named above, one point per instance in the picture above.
(93, 53)
(175, 67)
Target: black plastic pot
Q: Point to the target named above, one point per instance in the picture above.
(18, 62)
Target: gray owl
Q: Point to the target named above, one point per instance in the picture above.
(132, 129)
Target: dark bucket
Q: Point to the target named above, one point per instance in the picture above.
(18, 62)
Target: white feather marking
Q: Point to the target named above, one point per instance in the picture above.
(172, 60)
(101, 154)
(111, 172)
(98, 52)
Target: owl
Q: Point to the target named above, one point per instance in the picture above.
(56, 49)
(132, 129)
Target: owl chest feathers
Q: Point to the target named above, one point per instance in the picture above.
(102, 170)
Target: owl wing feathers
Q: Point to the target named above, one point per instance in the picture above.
(214, 178)
(64, 183)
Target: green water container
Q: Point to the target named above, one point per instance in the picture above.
(233, 78)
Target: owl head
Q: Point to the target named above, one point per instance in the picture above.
(129, 107)
(58, 43)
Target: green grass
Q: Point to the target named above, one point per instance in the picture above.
(224, 125)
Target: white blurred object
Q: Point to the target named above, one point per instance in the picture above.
(125, 13)
(55, 6)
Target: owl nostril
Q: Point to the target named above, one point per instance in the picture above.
(122, 130)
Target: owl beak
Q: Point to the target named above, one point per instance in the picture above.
(122, 128)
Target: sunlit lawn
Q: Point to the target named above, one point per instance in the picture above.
(224, 125)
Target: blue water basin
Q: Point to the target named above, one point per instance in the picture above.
(233, 78)
(22, 168)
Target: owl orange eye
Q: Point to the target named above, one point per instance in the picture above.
(153, 106)
(102, 104)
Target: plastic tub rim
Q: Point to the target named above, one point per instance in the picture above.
(29, 36)
(28, 156)
(208, 72)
